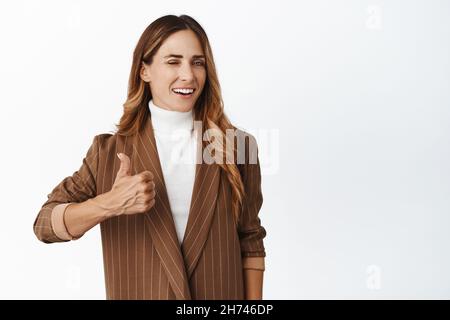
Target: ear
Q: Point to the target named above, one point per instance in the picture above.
(144, 72)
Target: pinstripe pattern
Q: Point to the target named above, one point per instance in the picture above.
(141, 253)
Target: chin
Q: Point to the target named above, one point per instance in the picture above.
(185, 108)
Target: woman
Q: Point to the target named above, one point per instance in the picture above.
(175, 224)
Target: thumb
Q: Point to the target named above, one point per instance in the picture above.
(124, 169)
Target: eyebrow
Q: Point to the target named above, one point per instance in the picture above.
(180, 56)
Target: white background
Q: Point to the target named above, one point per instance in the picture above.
(349, 101)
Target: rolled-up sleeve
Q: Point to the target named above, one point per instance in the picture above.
(59, 224)
(251, 232)
(49, 224)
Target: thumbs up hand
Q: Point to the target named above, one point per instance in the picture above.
(125, 163)
(131, 194)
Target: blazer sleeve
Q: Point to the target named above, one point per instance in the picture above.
(76, 188)
(251, 232)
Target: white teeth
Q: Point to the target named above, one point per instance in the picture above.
(185, 91)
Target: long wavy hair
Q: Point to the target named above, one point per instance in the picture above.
(209, 107)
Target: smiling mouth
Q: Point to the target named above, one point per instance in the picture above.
(184, 92)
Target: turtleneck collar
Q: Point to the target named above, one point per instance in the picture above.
(168, 121)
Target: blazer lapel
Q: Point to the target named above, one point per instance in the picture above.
(159, 219)
(202, 208)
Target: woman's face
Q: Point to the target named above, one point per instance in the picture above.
(179, 63)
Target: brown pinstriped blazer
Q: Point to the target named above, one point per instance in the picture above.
(141, 253)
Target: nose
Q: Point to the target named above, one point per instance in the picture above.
(185, 72)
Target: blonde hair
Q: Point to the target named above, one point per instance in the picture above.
(208, 107)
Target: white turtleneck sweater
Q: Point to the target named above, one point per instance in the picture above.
(176, 144)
